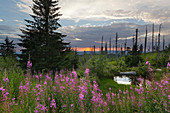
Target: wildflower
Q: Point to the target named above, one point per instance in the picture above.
(87, 72)
(131, 88)
(146, 62)
(43, 108)
(109, 89)
(48, 98)
(105, 103)
(168, 65)
(113, 103)
(29, 64)
(38, 98)
(120, 91)
(67, 79)
(36, 77)
(40, 75)
(150, 69)
(81, 96)
(64, 106)
(75, 74)
(53, 104)
(45, 83)
(140, 79)
(36, 111)
(1, 89)
(140, 105)
(72, 105)
(5, 79)
(5, 94)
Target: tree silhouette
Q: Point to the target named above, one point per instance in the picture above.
(7, 48)
(40, 40)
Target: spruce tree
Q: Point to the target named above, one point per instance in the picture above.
(7, 48)
(40, 40)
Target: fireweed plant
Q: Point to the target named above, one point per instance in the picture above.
(68, 93)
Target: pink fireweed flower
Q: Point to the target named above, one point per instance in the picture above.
(150, 69)
(75, 74)
(45, 83)
(131, 88)
(140, 105)
(105, 104)
(146, 62)
(120, 91)
(72, 105)
(140, 79)
(113, 103)
(38, 99)
(64, 106)
(29, 64)
(35, 111)
(48, 78)
(36, 77)
(67, 79)
(81, 96)
(94, 99)
(109, 89)
(48, 98)
(62, 88)
(87, 72)
(53, 104)
(5, 94)
(168, 65)
(40, 75)
(43, 108)
(1, 89)
(5, 79)
(38, 86)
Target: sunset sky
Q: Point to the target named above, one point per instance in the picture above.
(86, 21)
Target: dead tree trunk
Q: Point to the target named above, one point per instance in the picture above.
(146, 40)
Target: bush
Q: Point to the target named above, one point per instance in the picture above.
(133, 60)
(100, 66)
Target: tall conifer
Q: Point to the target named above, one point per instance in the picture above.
(40, 40)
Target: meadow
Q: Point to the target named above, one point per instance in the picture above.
(68, 92)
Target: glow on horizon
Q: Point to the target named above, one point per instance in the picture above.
(96, 49)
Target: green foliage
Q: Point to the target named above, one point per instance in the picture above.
(9, 69)
(70, 61)
(106, 83)
(133, 60)
(7, 48)
(43, 46)
(153, 59)
(100, 66)
(142, 69)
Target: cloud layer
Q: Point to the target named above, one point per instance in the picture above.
(101, 11)
(82, 36)
(155, 11)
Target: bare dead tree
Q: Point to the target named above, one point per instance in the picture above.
(153, 38)
(146, 40)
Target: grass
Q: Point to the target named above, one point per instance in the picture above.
(106, 83)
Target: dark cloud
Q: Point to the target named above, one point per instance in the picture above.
(92, 35)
